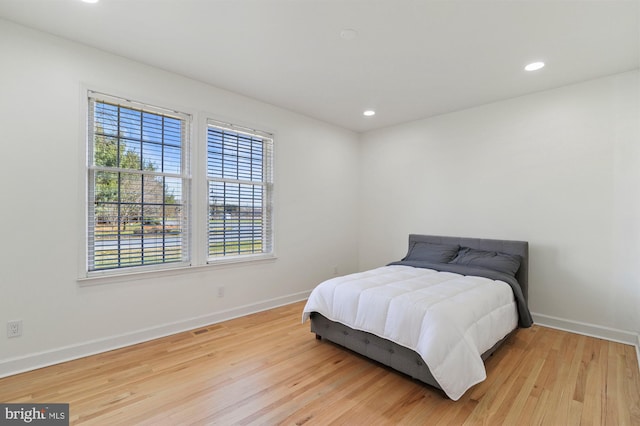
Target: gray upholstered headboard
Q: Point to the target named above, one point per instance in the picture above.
(520, 248)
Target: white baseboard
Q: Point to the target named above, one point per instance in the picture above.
(592, 330)
(607, 333)
(11, 366)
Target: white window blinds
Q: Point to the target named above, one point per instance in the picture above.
(240, 184)
(138, 185)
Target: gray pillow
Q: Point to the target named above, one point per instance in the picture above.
(496, 261)
(430, 252)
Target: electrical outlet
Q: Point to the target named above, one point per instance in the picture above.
(335, 271)
(220, 291)
(14, 328)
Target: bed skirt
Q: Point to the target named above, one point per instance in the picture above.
(378, 349)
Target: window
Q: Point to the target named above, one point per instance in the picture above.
(239, 176)
(138, 185)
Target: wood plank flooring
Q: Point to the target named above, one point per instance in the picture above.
(268, 369)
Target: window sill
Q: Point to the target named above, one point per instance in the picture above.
(135, 275)
(232, 260)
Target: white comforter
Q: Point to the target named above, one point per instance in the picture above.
(447, 318)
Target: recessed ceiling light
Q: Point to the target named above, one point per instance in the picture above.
(369, 113)
(90, 1)
(534, 66)
(348, 34)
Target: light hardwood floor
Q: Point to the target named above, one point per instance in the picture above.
(269, 369)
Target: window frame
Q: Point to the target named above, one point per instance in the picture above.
(196, 206)
(90, 170)
(267, 182)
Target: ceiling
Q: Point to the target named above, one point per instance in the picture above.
(409, 60)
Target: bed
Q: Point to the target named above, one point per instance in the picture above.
(435, 315)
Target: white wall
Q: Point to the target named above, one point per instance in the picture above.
(558, 168)
(41, 215)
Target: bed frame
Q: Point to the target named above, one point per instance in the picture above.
(398, 357)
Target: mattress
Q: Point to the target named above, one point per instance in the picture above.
(448, 318)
